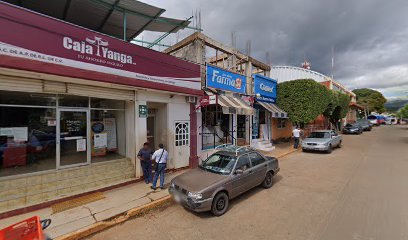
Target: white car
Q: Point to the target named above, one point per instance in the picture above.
(323, 140)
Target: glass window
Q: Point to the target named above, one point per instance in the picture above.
(256, 159)
(182, 133)
(221, 164)
(73, 101)
(108, 135)
(31, 99)
(107, 103)
(27, 139)
(243, 163)
(281, 123)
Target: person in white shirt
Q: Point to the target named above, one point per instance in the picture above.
(160, 157)
(296, 135)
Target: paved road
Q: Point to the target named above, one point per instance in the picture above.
(359, 192)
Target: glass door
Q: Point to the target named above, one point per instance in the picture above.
(72, 137)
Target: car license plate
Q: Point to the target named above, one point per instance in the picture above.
(177, 198)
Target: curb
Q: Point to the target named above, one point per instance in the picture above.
(287, 153)
(120, 218)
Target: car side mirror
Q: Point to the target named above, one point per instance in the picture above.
(239, 171)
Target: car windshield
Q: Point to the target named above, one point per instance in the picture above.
(220, 164)
(372, 117)
(351, 125)
(319, 135)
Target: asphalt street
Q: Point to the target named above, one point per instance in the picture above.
(358, 192)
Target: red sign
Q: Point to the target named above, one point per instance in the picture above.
(208, 100)
(34, 42)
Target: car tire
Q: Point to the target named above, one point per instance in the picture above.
(329, 150)
(304, 150)
(220, 204)
(268, 181)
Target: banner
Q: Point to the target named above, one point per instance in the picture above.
(264, 88)
(35, 42)
(221, 79)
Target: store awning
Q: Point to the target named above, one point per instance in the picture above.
(275, 110)
(233, 105)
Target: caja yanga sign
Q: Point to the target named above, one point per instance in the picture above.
(264, 88)
(221, 79)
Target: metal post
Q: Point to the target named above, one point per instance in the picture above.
(124, 25)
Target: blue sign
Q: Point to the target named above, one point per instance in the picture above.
(224, 80)
(264, 88)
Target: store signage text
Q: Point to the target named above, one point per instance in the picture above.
(221, 79)
(102, 50)
(264, 88)
(208, 100)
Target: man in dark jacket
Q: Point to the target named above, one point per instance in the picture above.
(145, 156)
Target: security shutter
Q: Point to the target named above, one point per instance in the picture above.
(9, 83)
(100, 92)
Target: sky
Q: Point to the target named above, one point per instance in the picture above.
(369, 37)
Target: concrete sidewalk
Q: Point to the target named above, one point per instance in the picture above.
(117, 201)
(83, 220)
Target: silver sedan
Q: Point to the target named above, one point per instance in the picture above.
(324, 140)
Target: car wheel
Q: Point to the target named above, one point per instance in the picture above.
(268, 181)
(304, 150)
(339, 146)
(220, 204)
(329, 149)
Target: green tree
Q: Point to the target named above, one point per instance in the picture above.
(403, 112)
(371, 99)
(303, 99)
(338, 107)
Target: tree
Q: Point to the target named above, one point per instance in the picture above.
(303, 99)
(371, 99)
(337, 108)
(403, 112)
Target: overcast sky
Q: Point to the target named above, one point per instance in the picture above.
(370, 37)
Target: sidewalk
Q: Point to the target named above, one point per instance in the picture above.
(132, 199)
(117, 201)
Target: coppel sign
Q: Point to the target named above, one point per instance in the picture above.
(221, 79)
(264, 88)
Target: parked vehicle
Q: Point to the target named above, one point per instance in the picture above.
(374, 120)
(381, 120)
(365, 124)
(323, 140)
(352, 129)
(221, 177)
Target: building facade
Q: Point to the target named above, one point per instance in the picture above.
(75, 106)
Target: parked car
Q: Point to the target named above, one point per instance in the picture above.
(221, 177)
(323, 140)
(365, 124)
(381, 120)
(352, 129)
(374, 120)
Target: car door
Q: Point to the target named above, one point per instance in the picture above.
(335, 139)
(259, 168)
(241, 181)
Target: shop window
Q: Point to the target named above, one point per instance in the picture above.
(27, 137)
(281, 123)
(107, 103)
(182, 133)
(28, 99)
(108, 135)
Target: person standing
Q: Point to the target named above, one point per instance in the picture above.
(296, 136)
(160, 156)
(145, 156)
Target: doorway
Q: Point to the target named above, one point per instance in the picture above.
(72, 137)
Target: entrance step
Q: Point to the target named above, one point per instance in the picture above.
(263, 145)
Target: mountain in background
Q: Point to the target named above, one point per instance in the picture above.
(395, 105)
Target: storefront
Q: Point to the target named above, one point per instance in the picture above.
(266, 111)
(75, 105)
(225, 115)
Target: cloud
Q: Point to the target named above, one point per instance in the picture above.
(369, 36)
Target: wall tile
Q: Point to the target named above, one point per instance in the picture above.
(16, 203)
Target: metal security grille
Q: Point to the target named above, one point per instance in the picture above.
(182, 133)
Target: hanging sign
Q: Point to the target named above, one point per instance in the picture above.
(208, 100)
(264, 88)
(221, 79)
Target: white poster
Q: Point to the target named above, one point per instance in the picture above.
(6, 132)
(81, 145)
(100, 140)
(20, 134)
(110, 129)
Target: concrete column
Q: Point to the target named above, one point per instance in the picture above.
(140, 130)
(130, 132)
(235, 127)
(248, 74)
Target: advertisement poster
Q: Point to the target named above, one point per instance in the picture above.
(110, 129)
(81, 145)
(264, 88)
(100, 140)
(20, 134)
